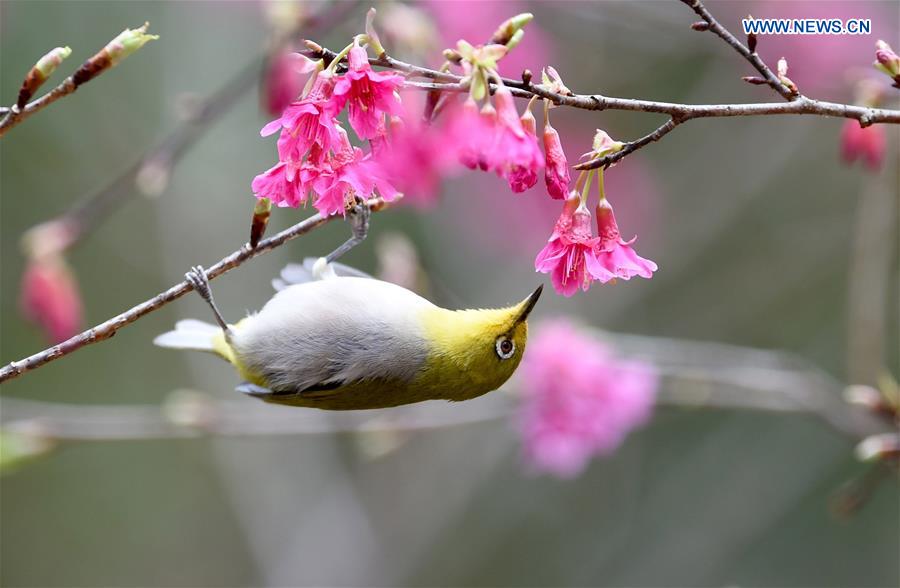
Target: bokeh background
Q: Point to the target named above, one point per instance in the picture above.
(757, 228)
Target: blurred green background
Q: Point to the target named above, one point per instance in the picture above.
(752, 222)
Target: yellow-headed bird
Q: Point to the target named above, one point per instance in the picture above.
(349, 342)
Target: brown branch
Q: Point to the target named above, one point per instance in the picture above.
(85, 215)
(109, 328)
(764, 70)
(679, 113)
(14, 116)
(127, 42)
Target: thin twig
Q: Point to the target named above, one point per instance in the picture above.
(109, 328)
(679, 113)
(15, 116)
(86, 214)
(751, 56)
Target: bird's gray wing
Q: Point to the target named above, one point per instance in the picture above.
(318, 391)
(300, 273)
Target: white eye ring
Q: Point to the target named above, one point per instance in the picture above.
(505, 346)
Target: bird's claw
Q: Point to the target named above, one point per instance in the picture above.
(198, 279)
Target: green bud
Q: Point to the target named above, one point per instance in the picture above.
(47, 64)
(508, 29)
(515, 39)
(128, 41)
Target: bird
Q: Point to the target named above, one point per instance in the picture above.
(334, 339)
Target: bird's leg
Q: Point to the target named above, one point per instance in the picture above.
(359, 224)
(198, 279)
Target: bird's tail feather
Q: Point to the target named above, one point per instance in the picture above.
(190, 334)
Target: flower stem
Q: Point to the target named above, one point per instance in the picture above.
(587, 186)
(600, 187)
(332, 67)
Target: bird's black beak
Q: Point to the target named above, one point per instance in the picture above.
(527, 305)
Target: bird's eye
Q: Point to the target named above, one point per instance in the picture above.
(505, 347)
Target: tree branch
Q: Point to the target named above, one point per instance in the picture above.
(15, 116)
(86, 214)
(109, 328)
(679, 113)
(751, 56)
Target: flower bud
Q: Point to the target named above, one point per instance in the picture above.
(49, 62)
(551, 78)
(50, 297)
(516, 39)
(128, 41)
(556, 173)
(603, 145)
(887, 61)
(38, 74)
(510, 27)
(782, 76)
(262, 210)
(877, 447)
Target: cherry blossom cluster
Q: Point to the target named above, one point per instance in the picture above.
(315, 156)
(482, 130)
(574, 255)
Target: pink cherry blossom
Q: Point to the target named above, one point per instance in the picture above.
(416, 157)
(578, 399)
(368, 93)
(556, 174)
(614, 253)
(350, 173)
(514, 153)
(472, 131)
(307, 122)
(287, 184)
(570, 256)
(522, 177)
(867, 144)
(50, 297)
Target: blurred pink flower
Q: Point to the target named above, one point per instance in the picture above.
(578, 399)
(282, 81)
(570, 256)
(50, 297)
(473, 131)
(370, 94)
(867, 144)
(416, 157)
(307, 122)
(614, 253)
(556, 174)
